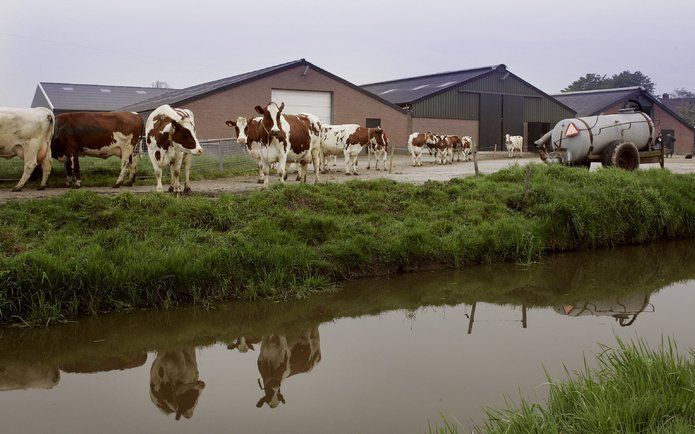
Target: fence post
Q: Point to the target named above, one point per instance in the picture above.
(527, 182)
(475, 159)
(219, 154)
(393, 149)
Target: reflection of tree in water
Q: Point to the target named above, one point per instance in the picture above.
(174, 384)
(280, 357)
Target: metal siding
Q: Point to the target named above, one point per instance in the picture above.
(449, 105)
(544, 110)
(490, 126)
(513, 115)
(494, 83)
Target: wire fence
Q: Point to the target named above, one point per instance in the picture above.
(221, 158)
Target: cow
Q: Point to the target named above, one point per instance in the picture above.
(514, 143)
(378, 145)
(98, 134)
(443, 150)
(171, 140)
(289, 138)
(105, 364)
(348, 140)
(417, 143)
(248, 133)
(27, 134)
(174, 384)
(282, 357)
(467, 147)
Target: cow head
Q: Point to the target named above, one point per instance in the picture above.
(241, 344)
(272, 394)
(377, 137)
(182, 133)
(241, 128)
(431, 138)
(272, 120)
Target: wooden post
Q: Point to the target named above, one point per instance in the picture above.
(523, 315)
(393, 149)
(527, 182)
(471, 318)
(495, 152)
(475, 159)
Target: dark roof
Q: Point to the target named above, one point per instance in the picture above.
(95, 97)
(410, 90)
(677, 104)
(593, 102)
(192, 92)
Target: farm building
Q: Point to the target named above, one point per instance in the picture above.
(301, 85)
(608, 101)
(70, 97)
(484, 103)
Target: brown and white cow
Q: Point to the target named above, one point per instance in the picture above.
(243, 344)
(174, 384)
(99, 134)
(348, 140)
(514, 143)
(27, 133)
(248, 134)
(443, 150)
(378, 146)
(467, 147)
(171, 140)
(417, 142)
(282, 357)
(289, 138)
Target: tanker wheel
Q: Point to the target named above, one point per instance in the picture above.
(623, 155)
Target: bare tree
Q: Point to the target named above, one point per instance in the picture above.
(160, 84)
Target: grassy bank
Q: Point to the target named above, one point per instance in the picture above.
(84, 253)
(633, 389)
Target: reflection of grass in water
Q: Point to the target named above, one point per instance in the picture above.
(98, 172)
(83, 253)
(633, 389)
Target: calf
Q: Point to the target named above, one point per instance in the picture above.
(378, 145)
(171, 140)
(27, 134)
(100, 134)
(248, 133)
(174, 384)
(514, 143)
(467, 147)
(282, 357)
(289, 138)
(417, 142)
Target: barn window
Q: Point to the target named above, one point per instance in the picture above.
(372, 122)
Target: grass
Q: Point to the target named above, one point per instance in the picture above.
(98, 172)
(632, 389)
(82, 253)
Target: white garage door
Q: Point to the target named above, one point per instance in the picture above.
(304, 101)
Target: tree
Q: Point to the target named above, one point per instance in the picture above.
(687, 107)
(593, 81)
(160, 84)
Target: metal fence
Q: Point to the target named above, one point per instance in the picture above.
(221, 157)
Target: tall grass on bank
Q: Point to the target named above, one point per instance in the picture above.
(633, 389)
(83, 253)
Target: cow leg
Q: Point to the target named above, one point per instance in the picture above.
(265, 168)
(132, 167)
(68, 171)
(282, 166)
(353, 159)
(322, 162)
(76, 168)
(187, 173)
(315, 162)
(302, 168)
(175, 170)
(124, 169)
(46, 171)
(261, 176)
(348, 169)
(29, 165)
(383, 159)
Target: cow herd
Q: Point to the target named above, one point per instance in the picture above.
(274, 139)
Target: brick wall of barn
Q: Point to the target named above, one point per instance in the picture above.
(349, 105)
(447, 126)
(685, 137)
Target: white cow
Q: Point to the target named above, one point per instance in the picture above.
(289, 139)
(334, 143)
(171, 140)
(27, 134)
(514, 143)
(417, 142)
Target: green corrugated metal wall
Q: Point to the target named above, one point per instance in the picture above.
(464, 102)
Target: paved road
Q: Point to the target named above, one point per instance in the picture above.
(402, 172)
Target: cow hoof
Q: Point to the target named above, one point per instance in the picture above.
(76, 186)
(16, 189)
(260, 181)
(117, 185)
(41, 187)
(171, 189)
(348, 174)
(187, 190)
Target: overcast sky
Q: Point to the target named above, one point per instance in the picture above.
(549, 43)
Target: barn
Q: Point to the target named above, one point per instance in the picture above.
(72, 97)
(301, 85)
(485, 103)
(608, 101)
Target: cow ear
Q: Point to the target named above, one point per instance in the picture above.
(282, 106)
(260, 110)
(231, 123)
(260, 402)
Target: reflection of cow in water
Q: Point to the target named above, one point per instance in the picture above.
(281, 357)
(28, 376)
(174, 384)
(623, 309)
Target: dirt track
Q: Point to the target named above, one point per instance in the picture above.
(402, 172)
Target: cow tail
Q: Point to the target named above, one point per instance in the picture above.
(52, 125)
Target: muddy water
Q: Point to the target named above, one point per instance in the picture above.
(381, 355)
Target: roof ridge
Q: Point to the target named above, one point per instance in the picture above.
(612, 89)
(482, 68)
(105, 85)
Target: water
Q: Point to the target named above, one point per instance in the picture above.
(380, 355)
